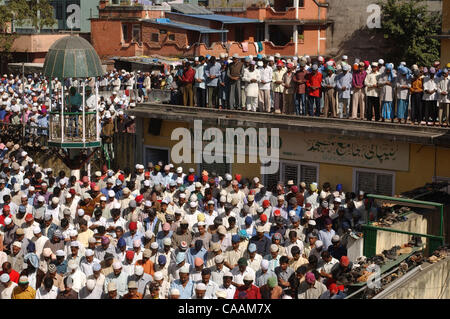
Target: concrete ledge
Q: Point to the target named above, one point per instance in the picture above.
(227, 118)
(430, 281)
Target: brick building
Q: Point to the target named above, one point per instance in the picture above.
(177, 30)
(290, 27)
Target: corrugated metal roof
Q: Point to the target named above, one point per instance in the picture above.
(188, 8)
(185, 26)
(224, 18)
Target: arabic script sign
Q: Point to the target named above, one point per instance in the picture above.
(381, 154)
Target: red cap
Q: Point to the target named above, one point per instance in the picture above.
(344, 261)
(139, 198)
(147, 174)
(72, 191)
(366, 64)
(29, 217)
(266, 203)
(280, 63)
(294, 189)
(129, 254)
(277, 212)
(133, 226)
(121, 177)
(6, 207)
(333, 288)
(237, 177)
(263, 218)
(191, 178)
(205, 178)
(307, 205)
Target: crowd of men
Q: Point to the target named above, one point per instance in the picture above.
(316, 87)
(157, 232)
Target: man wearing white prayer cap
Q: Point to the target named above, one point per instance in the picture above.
(118, 277)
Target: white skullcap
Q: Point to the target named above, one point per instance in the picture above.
(4, 278)
(55, 200)
(96, 267)
(265, 264)
(117, 265)
(80, 212)
(8, 220)
(138, 270)
(158, 275)
(36, 230)
(174, 292)
(200, 286)
(111, 193)
(90, 284)
(89, 253)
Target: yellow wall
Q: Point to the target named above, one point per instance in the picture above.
(445, 51)
(421, 163)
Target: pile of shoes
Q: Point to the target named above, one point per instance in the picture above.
(415, 259)
(391, 253)
(438, 254)
(377, 260)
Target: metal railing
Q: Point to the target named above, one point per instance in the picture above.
(73, 127)
(370, 231)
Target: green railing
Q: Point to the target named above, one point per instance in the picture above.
(370, 232)
(73, 127)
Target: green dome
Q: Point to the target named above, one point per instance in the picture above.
(72, 57)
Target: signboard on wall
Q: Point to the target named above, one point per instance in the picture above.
(341, 150)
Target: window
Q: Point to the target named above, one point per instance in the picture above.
(239, 34)
(259, 33)
(171, 37)
(156, 154)
(155, 37)
(59, 14)
(220, 168)
(205, 39)
(373, 182)
(296, 171)
(125, 36)
(137, 33)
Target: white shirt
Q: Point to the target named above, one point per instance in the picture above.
(5, 293)
(429, 84)
(230, 291)
(266, 76)
(42, 293)
(251, 89)
(238, 276)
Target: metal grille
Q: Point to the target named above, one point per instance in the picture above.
(308, 174)
(289, 172)
(365, 181)
(384, 184)
(155, 155)
(220, 168)
(374, 183)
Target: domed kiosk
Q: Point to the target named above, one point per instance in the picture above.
(74, 127)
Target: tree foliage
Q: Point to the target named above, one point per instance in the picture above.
(22, 12)
(408, 25)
